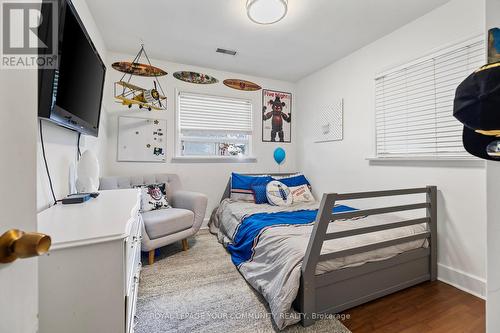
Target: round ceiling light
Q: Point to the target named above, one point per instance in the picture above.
(266, 11)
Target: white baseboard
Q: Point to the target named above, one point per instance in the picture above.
(461, 280)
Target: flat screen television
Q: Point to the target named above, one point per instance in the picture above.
(71, 94)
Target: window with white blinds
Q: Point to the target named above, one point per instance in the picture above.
(414, 104)
(211, 126)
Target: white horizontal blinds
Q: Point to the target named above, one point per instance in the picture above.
(204, 112)
(414, 104)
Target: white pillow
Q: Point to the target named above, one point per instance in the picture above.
(301, 193)
(278, 194)
(153, 197)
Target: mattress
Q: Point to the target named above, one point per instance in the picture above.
(230, 211)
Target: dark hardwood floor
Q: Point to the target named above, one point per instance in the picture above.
(429, 307)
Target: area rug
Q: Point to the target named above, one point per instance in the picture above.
(200, 290)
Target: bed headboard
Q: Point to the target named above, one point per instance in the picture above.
(227, 191)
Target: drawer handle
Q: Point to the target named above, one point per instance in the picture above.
(134, 241)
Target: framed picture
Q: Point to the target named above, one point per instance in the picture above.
(493, 45)
(276, 116)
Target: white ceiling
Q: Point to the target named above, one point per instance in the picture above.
(314, 34)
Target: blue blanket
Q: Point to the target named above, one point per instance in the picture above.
(241, 249)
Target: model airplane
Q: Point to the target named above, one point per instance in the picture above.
(135, 95)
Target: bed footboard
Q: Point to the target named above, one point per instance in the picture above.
(339, 290)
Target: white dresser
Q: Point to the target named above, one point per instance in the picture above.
(89, 281)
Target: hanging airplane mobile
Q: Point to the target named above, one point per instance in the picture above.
(134, 95)
(129, 94)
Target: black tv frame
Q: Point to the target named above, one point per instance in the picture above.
(47, 109)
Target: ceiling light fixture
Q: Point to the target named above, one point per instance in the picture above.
(266, 11)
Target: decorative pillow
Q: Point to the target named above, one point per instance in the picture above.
(260, 194)
(241, 186)
(295, 180)
(278, 194)
(154, 197)
(301, 193)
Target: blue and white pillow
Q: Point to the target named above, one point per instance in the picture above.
(278, 194)
(299, 186)
(241, 186)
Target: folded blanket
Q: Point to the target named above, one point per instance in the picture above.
(249, 230)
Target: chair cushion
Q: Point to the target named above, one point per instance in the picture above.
(164, 222)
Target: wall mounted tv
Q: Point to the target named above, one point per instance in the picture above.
(71, 95)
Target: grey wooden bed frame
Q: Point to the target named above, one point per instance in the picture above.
(336, 291)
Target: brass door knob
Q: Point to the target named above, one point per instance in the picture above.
(18, 244)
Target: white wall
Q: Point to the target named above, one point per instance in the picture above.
(60, 143)
(493, 195)
(208, 178)
(19, 280)
(493, 243)
(342, 166)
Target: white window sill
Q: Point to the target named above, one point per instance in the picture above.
(468, 161)
(221, 159)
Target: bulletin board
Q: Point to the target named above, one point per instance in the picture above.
(142, 139)
(329, 122)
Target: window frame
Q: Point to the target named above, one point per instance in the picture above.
(179, 158)
(435, 53)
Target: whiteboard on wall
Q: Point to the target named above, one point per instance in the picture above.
(142, 139)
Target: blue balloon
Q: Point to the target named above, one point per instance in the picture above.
(279, 155)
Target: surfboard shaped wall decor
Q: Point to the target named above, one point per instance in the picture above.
(242, 85)
(194, 77)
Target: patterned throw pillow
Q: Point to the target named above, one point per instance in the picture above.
(301, 193)
(260, 194)
(278, 194)
(153, 197)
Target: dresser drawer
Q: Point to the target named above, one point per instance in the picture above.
(134, 239)
(133, 250)
(131, 301)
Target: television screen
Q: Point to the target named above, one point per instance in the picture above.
(72, 94)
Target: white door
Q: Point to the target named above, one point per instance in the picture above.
(18, 131)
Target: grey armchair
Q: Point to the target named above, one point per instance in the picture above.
(165, 226)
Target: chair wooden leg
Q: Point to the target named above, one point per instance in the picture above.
(151, 257)
(185, 245)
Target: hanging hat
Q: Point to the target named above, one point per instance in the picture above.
(477, 106)
(277, 102)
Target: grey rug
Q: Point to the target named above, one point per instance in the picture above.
(200, 290)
